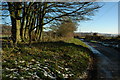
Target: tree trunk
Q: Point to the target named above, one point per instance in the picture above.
(26, 33)
(41, 32)
(26, 29)
(13, 30)
(30, 37)
(16, 22)
(22, 29)
(18, 25)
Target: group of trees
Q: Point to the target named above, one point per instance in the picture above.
(94, 37)
(29, 18)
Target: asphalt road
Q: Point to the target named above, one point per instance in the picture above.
(108, 62)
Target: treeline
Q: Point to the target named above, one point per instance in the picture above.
(29, 18)
(102, 38)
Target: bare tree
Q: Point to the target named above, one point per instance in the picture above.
(30, 17)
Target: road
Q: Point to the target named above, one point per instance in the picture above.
(108, 62)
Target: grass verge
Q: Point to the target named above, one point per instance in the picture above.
(46, 60)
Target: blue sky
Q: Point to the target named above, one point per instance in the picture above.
(104, 21)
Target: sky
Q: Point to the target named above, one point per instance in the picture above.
(104, 21)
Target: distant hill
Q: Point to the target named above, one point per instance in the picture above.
(99, 34)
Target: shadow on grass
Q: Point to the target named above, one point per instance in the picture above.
(59, 44)
(53, 45)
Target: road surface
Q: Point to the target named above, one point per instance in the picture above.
(108, 62)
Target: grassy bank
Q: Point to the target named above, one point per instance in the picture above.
(46, 60)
